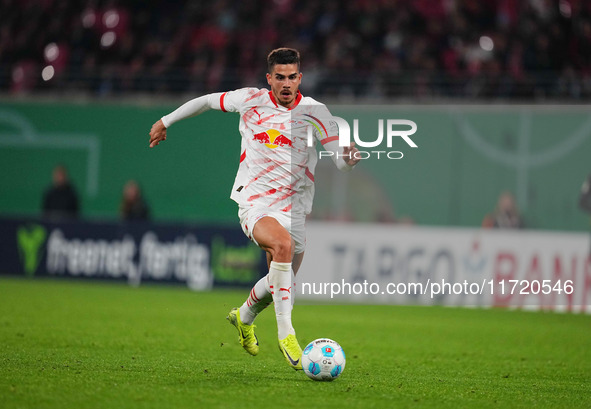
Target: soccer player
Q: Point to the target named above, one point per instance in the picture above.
(274, 185)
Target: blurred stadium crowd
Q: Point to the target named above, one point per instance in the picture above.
(492, 49)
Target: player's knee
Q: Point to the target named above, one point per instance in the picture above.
(282, 249)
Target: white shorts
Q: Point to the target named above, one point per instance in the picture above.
(294, 225)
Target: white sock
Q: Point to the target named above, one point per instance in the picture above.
(293, 289)
(280, 283)
(259, 298)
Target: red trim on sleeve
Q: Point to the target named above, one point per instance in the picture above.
(329, 139)
(309, 174)
(222, 102)
(243, 156)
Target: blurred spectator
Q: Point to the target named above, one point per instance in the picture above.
(60, 200)
(133, 206)
(422, 48)
(585, 198)
(506, 214)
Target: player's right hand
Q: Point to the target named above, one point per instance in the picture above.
(157, 133)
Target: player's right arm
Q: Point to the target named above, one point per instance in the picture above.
(188, 109)
(224, 101)
(157, 133)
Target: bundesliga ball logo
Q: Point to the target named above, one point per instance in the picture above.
(323, 360)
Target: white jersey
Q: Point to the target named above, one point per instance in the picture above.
(276, 168)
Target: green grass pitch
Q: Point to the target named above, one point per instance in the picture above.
(73, 344)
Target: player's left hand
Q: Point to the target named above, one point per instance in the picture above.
(349, 155)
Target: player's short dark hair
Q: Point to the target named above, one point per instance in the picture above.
(283, 55)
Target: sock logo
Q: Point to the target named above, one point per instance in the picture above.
(287, 290)
(30, 240)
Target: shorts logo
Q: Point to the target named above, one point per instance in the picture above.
(272, 139)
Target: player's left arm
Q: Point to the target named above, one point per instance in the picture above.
(344, 157)
(350, 155)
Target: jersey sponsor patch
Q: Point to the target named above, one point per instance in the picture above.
(272, 139)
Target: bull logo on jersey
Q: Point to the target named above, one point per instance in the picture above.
(272, 139)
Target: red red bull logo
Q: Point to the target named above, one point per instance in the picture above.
(272, 139)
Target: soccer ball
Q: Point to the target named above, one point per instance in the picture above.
(323, 360)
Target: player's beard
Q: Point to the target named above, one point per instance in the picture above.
(287, 96)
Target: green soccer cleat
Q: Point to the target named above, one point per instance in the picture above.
(292, 352)
(246, 335)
